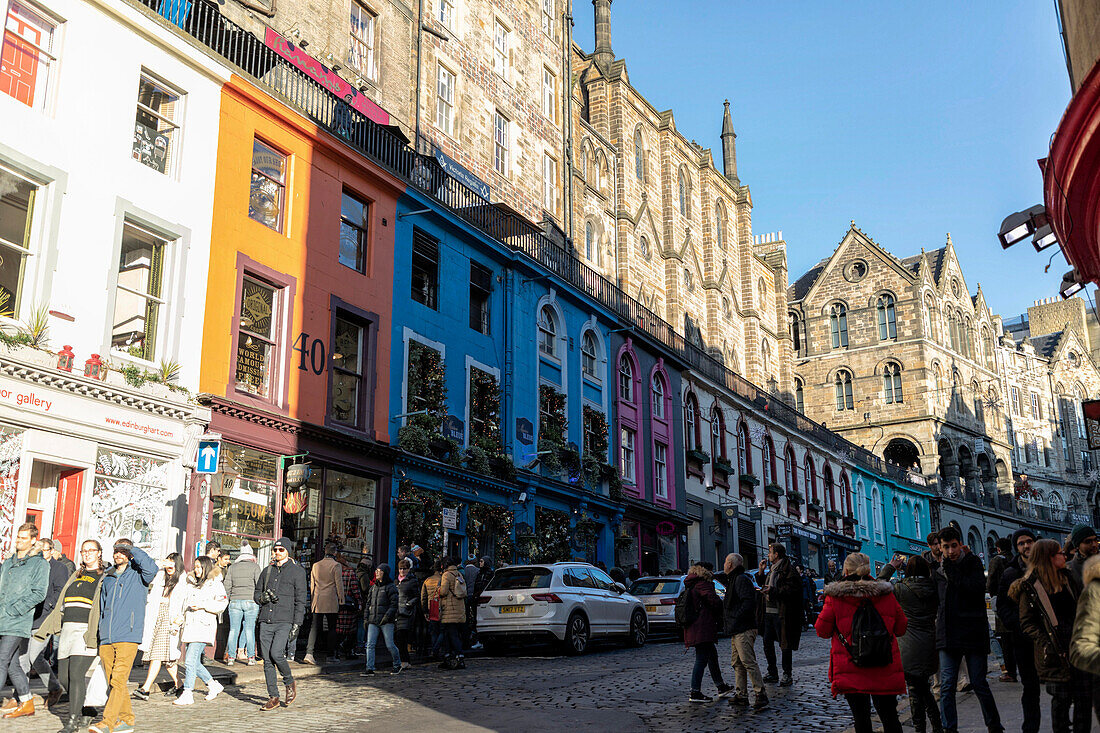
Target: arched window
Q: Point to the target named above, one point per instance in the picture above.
(811, 480)
(719, 224)
(827, 485)
(799, 396)
(979, 409)
(643, 246)
(691, 423)
(548, 332)
(876, 502)
(838, 325)
(790, 469)
(683, 196)
(968, 339)
(626, 379)
(589, 360)
(794, 328)
(590, 248)
(930, 318)
(897, 515)
(953, 331)
(842, 386)
(639, 156)
(917, 532)
(744, 456)
(658, 397)
(768, 450)
(766, 357)
(845, 495)
(887, 320)
(891, 383)
(937, 379)
(717, 433)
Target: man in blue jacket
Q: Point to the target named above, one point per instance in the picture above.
(23, 580)
(122, 596)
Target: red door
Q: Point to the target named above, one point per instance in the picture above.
(20, 61)
(35, 515)
(66, 520)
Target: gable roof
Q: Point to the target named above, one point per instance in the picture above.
(797, 291)
(1047, 344)
(936, 258)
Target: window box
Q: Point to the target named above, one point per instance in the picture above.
(832, 515)
(849, 521)
(696, 459)
(721, 465)
(774, 490)
(747, 484)
(814, 506)
(794, 497)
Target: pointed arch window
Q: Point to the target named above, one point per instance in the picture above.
(891, 383)
(987, 348)
(717, 433)
(794, 328)
(548, 332)
(887, 319)
(589, 351)
(658, 397)
(766, 357)
(827, 485)
(744, 455)
(979, 409)
(768, 451)
(842, 386)
(799, 395)
(719, 225)
(930, 318)
(811, 479)
(626, 379)
(589, 241)
(838, 325)
(790, 469)
(683, 196)
(691, 423)
(639, 156)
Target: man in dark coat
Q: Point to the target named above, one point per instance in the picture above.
(281, 594)
(1008, 613)
(962, 630)
(35, 655)
(782, 612)
(934, 554)
(739, 621)
(1002, 554)
(1083, 542)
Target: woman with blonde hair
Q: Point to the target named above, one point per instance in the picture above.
(1048, 595)
(702, 632)
(206, 599)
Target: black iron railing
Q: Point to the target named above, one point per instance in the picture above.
(240, 47)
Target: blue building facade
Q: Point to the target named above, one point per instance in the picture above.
(892, 517)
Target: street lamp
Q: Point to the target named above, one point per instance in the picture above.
(1031, 222)
(1071, 284)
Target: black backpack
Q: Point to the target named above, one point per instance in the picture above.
(686, 613)
(872, 644)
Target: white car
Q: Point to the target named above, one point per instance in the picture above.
(658, 593)
(570, 602)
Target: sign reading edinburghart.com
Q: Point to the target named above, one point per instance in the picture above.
(324, 76)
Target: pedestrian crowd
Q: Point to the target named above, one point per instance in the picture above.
(915, 636)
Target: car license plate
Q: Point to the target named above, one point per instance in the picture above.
(512, 609)
(651, 609)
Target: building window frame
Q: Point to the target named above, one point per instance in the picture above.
(501, 139)
(356, 233)
(838, 325)
(446, 82)
(481, 294)
(148, 131)
(886, 315)
(269, 184)
(424, 274)
(842, 387)
(368, 324)
(35, 18)
(285, 287)
(502, 42)
(891, 383)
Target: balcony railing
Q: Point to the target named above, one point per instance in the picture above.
(206, 24)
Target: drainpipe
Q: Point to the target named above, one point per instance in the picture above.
(567, 104)
(419, 47)
(507, 396)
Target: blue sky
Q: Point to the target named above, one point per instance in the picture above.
(913, 119)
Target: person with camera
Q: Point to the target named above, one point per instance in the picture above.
(281, 593)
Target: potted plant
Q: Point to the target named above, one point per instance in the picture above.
(749, 480)
(814, 505)
(723, 465)
(774, 490)
(697, 456)
(832, 514)
(794, 497)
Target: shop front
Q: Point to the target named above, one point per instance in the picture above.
(803, 545)
(838, 547)
(653, 541)
(251, 500)
(91, 457)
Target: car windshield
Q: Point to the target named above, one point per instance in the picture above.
(520, 578)
(656, 587)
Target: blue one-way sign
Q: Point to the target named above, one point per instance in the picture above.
(209, 451)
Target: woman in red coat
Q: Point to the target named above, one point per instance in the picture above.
(703, 631)
(863, 685)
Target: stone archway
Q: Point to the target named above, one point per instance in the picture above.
(949, 465)
(968, 472)
(904, 453)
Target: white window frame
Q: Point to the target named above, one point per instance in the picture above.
(445, 12)
(550, 183)
(549, 94)
(548, 20)
(175, 141)
(361, 50)
(502, 42)
(445, 83)
(501, 133)
(660, 470)
(628, 442)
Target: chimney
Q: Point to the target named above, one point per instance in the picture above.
(729, 147)
(604, 55)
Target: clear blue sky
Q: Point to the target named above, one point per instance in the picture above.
(914, 119)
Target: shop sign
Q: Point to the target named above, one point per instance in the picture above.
(450, 518)
(1091, 409)
(37, 400)
(454, 428)
(666, 529)
(786, 531)
(525, 431)
(463, 176)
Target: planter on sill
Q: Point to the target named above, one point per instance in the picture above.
(748, 479)
(697, 456)
(774, 490)
(814, 506)
(832, 515)
(723, 466)
(794, 497)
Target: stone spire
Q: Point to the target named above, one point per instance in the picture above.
(729, 147)
(603, 53)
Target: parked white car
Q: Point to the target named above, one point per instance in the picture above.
(658, 593)
(570, 602)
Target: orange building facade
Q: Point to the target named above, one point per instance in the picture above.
(297, 324)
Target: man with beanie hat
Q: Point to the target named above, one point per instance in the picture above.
(1084, 543)
(1008, 611)
(281, 595)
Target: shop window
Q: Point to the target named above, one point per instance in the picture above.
(425, 269)
(129, 497)
(156, 129)
(660, 470)
(481, 288)
(28, 53)
(354, 220)
(138, 292)
(301, 516)
(348, 349)
(349, 510)
(257, 344)
(267, 194)
(17, 199)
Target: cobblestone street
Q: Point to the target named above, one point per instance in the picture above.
(610, 689)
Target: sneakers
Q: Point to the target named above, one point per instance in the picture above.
(308, 659)
(252, 661)
(173, 692)
(406, 665)
(772, 677)
(740, 699)
(1006, 677)
(699, 697)
(398, 670)
(230, 661)
(139, 694)
(98, 727)
(186, 698)
(367, 673)
(242, 655)
(761, 702)
(786, 681)
(123, 728)
(213, 689)
(724, 690)
(477, 646)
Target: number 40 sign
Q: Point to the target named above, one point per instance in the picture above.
(311, 353)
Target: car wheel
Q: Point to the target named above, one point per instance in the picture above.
(639, 629)
(576, 635)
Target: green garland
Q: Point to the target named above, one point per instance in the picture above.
(422, 434)
(486, 452)
(496, 521)
(420, 517)
(550, 542)
(599, 431)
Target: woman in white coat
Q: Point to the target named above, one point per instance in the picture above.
(160, 643)
(206, 599)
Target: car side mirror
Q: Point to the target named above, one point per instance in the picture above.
(618, 588)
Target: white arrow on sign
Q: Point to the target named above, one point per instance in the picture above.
(208, 455)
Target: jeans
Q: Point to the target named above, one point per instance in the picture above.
(706, 655)
(771, 638)
(452, 639)
(435, 631)
(193, 666)
(1075, 694)
(949, 676)
(372, 642)
(242, 623)
(117, 660)
(36, 657)
(922, 703)
(885, 705)
(273, 643)
(74, 675)
(1024, 649)
(745, 668)
(11, 670)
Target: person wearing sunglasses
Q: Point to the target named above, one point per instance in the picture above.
(1048, 595)
(281, 593)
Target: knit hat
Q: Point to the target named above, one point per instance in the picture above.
(1021, 532)
(246, 551)
(1080, 533)
(124, 549)
(286, 543)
